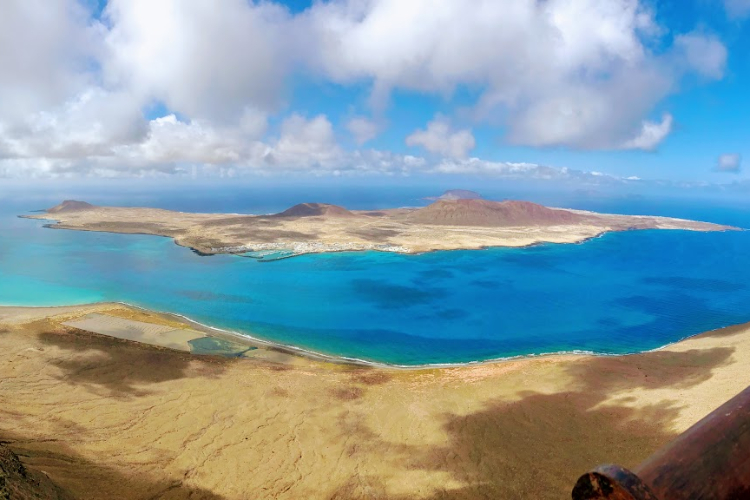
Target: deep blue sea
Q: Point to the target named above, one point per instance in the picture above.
(621, 293)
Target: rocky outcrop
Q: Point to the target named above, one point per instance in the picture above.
(17, 482)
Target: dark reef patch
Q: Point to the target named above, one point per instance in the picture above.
(390, 296)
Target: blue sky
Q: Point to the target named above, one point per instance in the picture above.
(561, 90)
(711, 117)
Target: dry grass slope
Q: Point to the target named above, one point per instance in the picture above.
(113, 419)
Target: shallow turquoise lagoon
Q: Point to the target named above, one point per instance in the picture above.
(621, 293)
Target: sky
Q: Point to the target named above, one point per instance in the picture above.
(581, 92)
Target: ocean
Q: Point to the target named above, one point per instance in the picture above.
(620, 293)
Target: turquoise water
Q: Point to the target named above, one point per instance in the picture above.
(624, 292)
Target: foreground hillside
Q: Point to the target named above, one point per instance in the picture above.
(107, 418)
(18, 482)
(447, 224)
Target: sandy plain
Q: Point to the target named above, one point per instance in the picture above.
(111, 418)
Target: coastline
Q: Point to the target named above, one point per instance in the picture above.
(107, 417)
(309, 354)
(58, 225)
(331, 229)
(248, 337)
(332, 358)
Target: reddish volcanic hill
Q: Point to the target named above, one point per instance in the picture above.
(70, 206)
(315, 210)
(493, 214)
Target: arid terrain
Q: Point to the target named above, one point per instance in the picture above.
(88, 416)
(446, 224)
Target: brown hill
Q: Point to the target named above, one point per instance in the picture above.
(493, 214)
(70, 206)
(315, 210)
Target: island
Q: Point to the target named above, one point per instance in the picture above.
(451, 223)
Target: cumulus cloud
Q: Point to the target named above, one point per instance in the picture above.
(200, 59)
(508, 170)
(173, 141)
(651, 135)
(92, 123)
(573, 73)
(362, 129)
(565, 73)
(46, 52)
(439, 138)
(731, 163)
(704, 53)
(213, 156)
(304, 143)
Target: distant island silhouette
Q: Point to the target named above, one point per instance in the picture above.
(457, 194)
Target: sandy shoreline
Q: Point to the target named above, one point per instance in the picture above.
(253, 341)
(105, 417)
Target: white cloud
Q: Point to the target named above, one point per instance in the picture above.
(172, 141)
(564, 73)
(731, 162)
(600, 116)
(651, 134)
(362, 129)
(201, 59)
(737, 9)
(304, 144)
(572, 73)
(214, 156)
(91, 124)
(302, 147)
(510, 170)
(703, 53)
(439, 138)
(46, 53)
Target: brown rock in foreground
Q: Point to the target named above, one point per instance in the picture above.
(17, 482)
